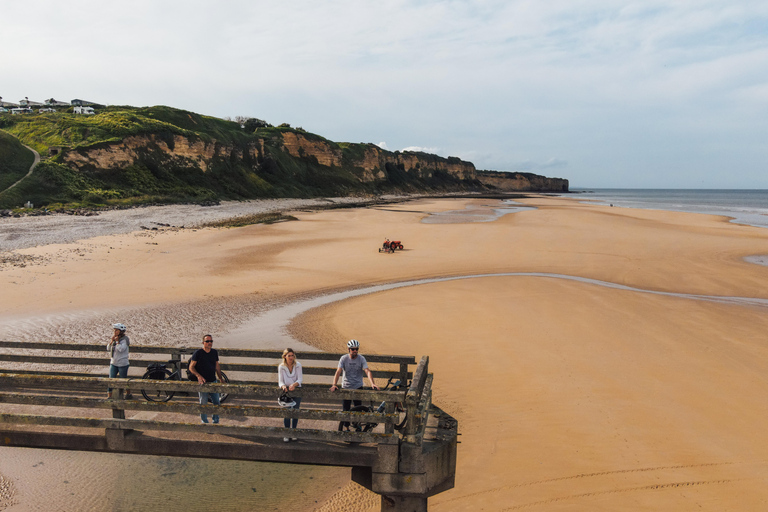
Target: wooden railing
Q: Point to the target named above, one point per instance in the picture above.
(53, 396)
(177, 353)
(47, 381)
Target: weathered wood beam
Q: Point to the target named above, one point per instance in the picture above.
(15, 381)
(419, 377)
(229, 410)
(235, 367)
(233, 430)
(423, 409)
(263, 354)
(326, 453)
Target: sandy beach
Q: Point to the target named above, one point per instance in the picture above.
(619, 363)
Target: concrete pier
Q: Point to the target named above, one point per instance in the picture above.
(405, 454)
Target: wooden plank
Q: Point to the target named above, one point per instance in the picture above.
(228, 410)
(423, 410)
(376, 373)
(66, 383)
(419, 377)
(262, 354)
(233, 430)
(15, 358)
(232, 367)
(201, 445)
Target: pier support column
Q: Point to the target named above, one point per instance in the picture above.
(403, 504)
(115, 438)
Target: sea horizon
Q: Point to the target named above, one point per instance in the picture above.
(744, 206)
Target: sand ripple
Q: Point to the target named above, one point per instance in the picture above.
(7, 493)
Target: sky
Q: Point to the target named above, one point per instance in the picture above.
(607, 94)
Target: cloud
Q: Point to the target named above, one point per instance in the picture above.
(383, 145)
(529, 166)
(419, 149)
(601, 84)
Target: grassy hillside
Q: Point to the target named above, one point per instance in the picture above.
(249, 161)
(15, 160)
(42, 131)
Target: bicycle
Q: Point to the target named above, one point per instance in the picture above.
(159, 371)
(365, 426)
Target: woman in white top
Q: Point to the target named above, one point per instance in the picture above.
(119, 358)
(289, 377)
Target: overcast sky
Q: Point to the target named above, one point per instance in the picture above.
(653, 94)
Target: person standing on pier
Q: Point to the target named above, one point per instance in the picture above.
(118, 353)
(353, 366)
(289, 377)
(204, 364)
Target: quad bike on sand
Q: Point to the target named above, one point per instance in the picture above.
(390, 246)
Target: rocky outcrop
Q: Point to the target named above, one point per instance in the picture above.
(299, 146)
(521, 182)
(367, 162)
(124, 153)
(370, 161)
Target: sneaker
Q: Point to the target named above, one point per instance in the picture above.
(215, 422)
(204, 422)
(286, 440)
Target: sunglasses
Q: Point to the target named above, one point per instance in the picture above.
(207, 341)
(355, 349)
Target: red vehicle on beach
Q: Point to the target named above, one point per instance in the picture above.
(390, 246)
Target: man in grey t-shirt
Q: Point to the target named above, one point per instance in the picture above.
(352, 366)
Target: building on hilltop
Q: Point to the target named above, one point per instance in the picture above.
(55, 103)
(84, 103)
(29, 104)
(7, 104)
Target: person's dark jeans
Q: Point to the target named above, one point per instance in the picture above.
(347, 405)
(287, 421)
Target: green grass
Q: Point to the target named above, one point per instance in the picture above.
(71, 130)
(42, 131)
(15, 160)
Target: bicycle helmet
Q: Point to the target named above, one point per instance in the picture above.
(119, 326)
(353, 344)
(286, 401)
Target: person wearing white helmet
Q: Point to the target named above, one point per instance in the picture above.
(118, 352)
(353, 366)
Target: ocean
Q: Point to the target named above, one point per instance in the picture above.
(745, 206)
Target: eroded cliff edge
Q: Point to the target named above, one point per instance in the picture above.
(521, 182)
(129, 155)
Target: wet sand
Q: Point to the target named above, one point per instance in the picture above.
(568, 394)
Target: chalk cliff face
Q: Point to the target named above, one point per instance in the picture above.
(521, 182)
(373, 160)
(299, 146)
(118, 155)
(365, 161)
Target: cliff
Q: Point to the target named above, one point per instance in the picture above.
(521, 182)
(368, 162)
(128, 155)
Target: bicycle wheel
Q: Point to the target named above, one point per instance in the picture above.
(223, 396)
(362, 426)
(154, 395)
